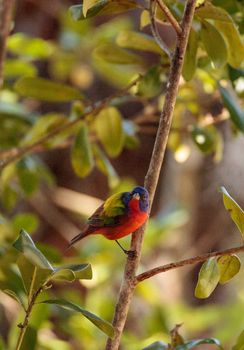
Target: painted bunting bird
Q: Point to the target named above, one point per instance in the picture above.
(120, 215)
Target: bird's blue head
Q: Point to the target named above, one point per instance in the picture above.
(142, 195)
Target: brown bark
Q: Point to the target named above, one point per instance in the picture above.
(151, 180)
(6, 7)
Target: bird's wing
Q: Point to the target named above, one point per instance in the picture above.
(109, 213)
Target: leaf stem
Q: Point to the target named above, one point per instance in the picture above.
(154, 29)
(190, 261)
(23, 326)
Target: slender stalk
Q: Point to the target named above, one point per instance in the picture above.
(190, 261)
(154, 29)
(23, 326)
(170, 17)
(5, 24)
(151, 179)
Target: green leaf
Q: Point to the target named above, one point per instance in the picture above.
(193, 343)
(15, 68)
(144, 19)
(77, 11)
(103, 325)
(229, 266)
(27, 175)
(157, 345)
(209, 11)
(25, 245)
(114, 54)
(87, 4)
(240, 342)
(137, 41)
(203, 138)
(234, 42)
(23, 45)
(62, 275)
(14, 296)
(42, 127)
(103, 7)
(72, 272)
(33, 277)
(81, 153)
(190, 59)
(46, 90)
(109, 129)
(235, 211)
(105, 166)
(208, 278)
(231, 103)
(214, 44)
(150, 84)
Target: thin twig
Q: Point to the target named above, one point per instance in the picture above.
(190, 261)
(151, 179)
(5, 24)
(155, 32)
(23, 326)
(170, 17)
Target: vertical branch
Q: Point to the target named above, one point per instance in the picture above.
(5, 22)
(151, 179)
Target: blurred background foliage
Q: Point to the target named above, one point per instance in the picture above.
(79, 109)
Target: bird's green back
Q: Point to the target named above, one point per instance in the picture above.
(114, 205)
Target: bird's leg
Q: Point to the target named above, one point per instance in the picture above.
(130, 253)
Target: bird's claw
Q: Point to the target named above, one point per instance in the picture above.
(130, 253)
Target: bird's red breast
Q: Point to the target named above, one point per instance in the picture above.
(130, 222)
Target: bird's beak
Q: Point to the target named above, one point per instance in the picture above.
(136, 196)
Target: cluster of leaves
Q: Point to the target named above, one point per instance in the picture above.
(222, 269)
(178, 342)
(36, 274)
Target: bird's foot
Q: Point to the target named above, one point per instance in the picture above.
(130, 253)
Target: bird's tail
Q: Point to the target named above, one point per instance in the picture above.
(78, 237)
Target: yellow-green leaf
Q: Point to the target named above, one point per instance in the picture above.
(87, 4)
(229, 266)
(210, 11)
(35, 48)
(234, 42)
(46, 90)
(81, 153)
(203, 138)
(109, 128)
(102, 7)
(240, 342)
(236, 212)
(138, 41)
(103, 325)
(114, 54)
(214, 44)
(208, 278)
(144, 19)
(190, 60)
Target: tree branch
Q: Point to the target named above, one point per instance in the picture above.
(16, 153)
(190, 261)
(151, 179)
(168, 14)
(5, 22)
